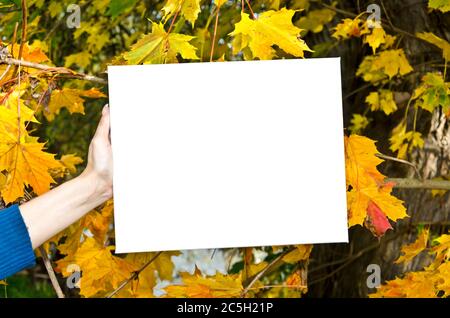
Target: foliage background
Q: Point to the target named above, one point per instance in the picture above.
(112, 32)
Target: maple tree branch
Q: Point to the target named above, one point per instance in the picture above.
(51, 273)
(408, 183)
(46, 68)
(134, 276)
(260, 274)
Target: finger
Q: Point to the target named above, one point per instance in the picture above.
(104, 124)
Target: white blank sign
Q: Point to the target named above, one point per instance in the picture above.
(227, 154)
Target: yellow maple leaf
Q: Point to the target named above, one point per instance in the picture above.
(442, 249)
(188, 8)
(382, 100)
(366, 182)
(161, 47)
(358, 123)
(197, 286)
(437, 41)
(384, 65)
(70, 161)
(32, 53)
(27, 164)
(402, 141)
(70, 98)
(300, 253)
(412, 250)
(413, 285)
(270, 28)
(349, 28)
(102, 272)
(376, 38)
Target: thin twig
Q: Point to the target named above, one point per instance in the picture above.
(134, 276)
(61, 70)
(51, 273)
(250, 8)
(386, 157)
(175, 17)
(214, 36)
(24, 28)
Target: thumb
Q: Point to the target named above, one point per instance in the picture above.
(104, 124)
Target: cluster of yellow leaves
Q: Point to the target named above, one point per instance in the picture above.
(442, 5)
(402, 141)
(385, 65)
(369, 198)
(382, 100)
(349, 28)
(412, 250)
(188, 8)
(32, 53)
(433, 281)
(375, 37)
(84, 244)
(257, 37)
(315, 20)
(358, 123)
(70, 98)
(21, 156)
(198, 286)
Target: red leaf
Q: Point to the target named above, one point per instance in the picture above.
(376, 221)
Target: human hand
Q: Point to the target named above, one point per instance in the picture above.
(99, 169)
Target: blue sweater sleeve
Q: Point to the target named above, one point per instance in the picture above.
(16, 252)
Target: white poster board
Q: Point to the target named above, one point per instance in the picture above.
(227, 154)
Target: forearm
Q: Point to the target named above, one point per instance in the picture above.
(55, 210)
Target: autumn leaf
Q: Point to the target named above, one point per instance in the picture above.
(315, 20)
(385, 65)
(101, 271)
(70, 98)
(413, 285)
(376, 38)
(188, 8)
(161, 47)
(70, 161)
(81, 59)
(300, 253)
(27, 165)
(412, 250)
(442, 5)
(369, 197)
(349, 28)
(197, 286)
(358, 123)
(269, 29)
(433, 92)
(437, 41)
(382, 100)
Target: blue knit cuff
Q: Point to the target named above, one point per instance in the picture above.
(16, 252)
